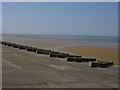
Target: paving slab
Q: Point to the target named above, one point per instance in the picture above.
(23, 69)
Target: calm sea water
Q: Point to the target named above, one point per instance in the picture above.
(70, 40)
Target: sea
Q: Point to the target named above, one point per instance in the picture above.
(69, 40)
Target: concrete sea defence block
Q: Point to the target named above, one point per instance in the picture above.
(53, 55)
(61, 55)
(4, 43)
(43, 51)
(65, 54)
(110, 63)
(105, 64)
(39, 51)
(102, 64)
(80, 59)
(31, 49)
(10, 44)
(23, 47)
(75, 59)
(88, 59)
(46, 52)
(74, 56)
(15, 45)
(55, 52)
(94, 64)
(92, 59)
(70, 59)
(34, 49)
(58, 55)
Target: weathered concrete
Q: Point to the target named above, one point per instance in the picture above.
(22, 69)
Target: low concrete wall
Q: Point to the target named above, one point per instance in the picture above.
(71, 58)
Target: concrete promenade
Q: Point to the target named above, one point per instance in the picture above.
(23, 69)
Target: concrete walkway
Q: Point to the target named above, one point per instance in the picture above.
(22, 69)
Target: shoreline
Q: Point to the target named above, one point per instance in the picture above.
(103, 53)
(35, 43)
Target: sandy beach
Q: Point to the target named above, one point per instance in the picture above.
(23, 69)
(102, 53)
(110, 54)
(59, 45)
(35, 43)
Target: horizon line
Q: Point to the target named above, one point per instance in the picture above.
(57, 34)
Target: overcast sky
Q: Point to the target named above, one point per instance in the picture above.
(88, 18)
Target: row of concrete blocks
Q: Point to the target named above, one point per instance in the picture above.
(80, 59)
(59, 55)
(36, 50)
(43, 51)
(101, 64)
(70, 58)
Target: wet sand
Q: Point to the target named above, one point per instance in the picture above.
(36, 43)
(104, 53)
(22, 69)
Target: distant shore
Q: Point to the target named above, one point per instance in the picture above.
(104, 53)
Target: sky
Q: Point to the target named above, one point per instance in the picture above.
(61, 18)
